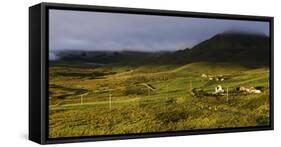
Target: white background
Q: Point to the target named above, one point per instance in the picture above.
(14, 71)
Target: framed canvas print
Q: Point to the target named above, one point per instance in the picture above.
(99, 73)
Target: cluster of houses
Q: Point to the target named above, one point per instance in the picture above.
(219, 91)
(256, 90)
(249, 89)
(212, 77)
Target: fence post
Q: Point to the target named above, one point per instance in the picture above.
(190, 85)
(110, 101)
(227, 94)
(167, 91)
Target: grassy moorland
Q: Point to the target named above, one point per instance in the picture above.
(86, 101)
(98, 93)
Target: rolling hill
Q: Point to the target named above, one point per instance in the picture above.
(230, 47)
(238, 48)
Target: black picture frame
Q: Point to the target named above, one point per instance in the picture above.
(38, 71)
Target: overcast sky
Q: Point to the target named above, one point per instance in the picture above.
(81, 30)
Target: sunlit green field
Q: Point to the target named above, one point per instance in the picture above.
(89, 100)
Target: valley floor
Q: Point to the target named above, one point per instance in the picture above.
(106, 100)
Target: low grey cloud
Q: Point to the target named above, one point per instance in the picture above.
(83, 30)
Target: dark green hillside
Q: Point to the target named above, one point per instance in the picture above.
(234, 48)
(238, 48)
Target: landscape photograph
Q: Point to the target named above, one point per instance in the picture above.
(118, 73)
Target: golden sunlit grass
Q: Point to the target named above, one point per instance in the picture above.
(87, 101)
